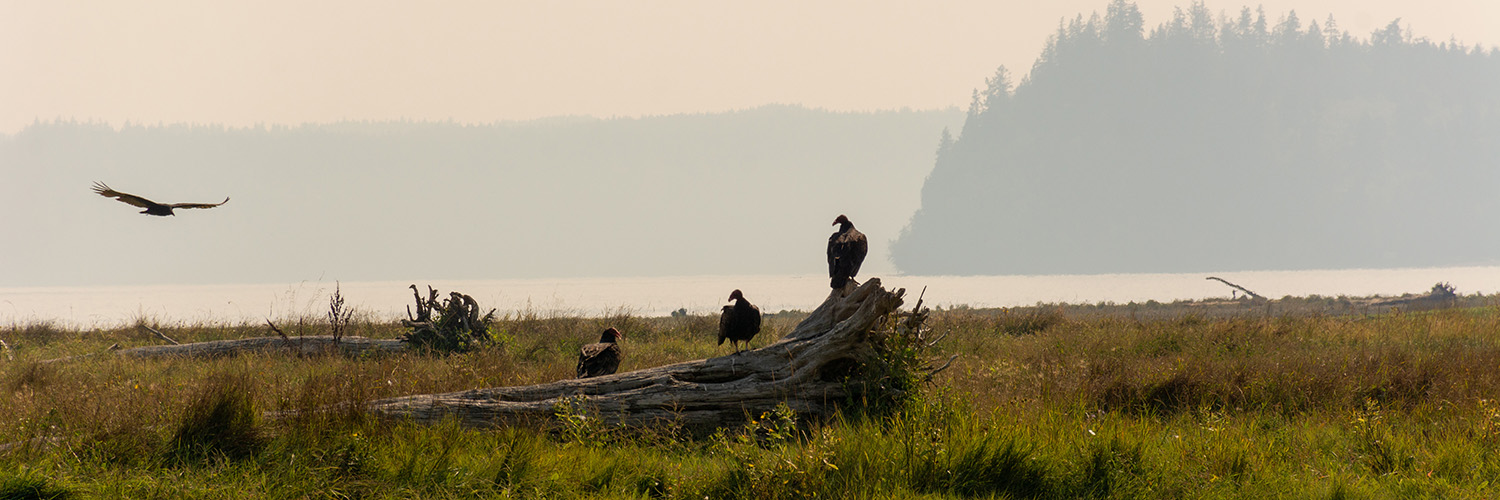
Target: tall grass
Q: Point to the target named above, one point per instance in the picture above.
(29, 485)
(1045, 402)
(219, 422)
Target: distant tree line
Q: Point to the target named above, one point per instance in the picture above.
(741, 192)
(1219, 142)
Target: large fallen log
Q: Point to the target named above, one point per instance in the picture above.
(306, 345)
(813, 370)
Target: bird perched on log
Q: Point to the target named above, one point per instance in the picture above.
(151, 207)
(846, 251)
(739, 321)
(600, 358)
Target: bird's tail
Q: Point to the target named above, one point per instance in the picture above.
(838, 281)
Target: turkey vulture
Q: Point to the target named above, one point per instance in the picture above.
(846, 251)
(151, 207)
(739, 322)
(601, 358)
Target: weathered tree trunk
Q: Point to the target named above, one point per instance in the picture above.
(808, 369)
(1247, 291)
(311, 344)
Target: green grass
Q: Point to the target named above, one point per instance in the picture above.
(1160, 401)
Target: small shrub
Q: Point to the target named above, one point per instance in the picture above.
(339, 316)
(893, 379)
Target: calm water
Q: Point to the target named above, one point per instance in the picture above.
(113, 305)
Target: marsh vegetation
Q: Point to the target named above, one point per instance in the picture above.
(1304, 399)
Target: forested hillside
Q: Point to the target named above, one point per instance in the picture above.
(1219, 142)
(745, 192)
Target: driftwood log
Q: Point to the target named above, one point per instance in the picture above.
(809, 369)
(1247, 291)
(307, 345)
(1442, 296)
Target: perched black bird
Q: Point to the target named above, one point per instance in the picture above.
(739, 322)
(601, 358)
(846, 251)
(151, 207)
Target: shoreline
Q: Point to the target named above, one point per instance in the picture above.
(661, 296)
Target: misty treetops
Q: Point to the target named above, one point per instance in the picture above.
(1219, 142)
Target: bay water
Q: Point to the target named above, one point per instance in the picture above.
(105, 306)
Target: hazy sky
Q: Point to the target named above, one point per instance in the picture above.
(278, 61)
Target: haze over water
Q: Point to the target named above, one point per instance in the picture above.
(354, 193)
(659, 296)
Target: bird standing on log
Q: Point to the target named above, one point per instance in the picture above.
(846, 251)
(600, 358)
(739, 321)
(151, 207)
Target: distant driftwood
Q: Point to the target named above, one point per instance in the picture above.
(1247, 291)
(807, 370)
(1442, 295)
(308, 345)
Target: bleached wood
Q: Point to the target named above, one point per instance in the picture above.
(308, 345)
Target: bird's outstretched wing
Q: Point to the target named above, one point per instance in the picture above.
(131, 199)
(199, 205)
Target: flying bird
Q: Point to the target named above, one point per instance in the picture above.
(739, 322)
(846, 251)
(600, 358)
(151, 207)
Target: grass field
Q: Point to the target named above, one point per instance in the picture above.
(1301, 400)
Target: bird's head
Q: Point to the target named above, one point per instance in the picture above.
(841, 220)
(611, 335)
(736, 295)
